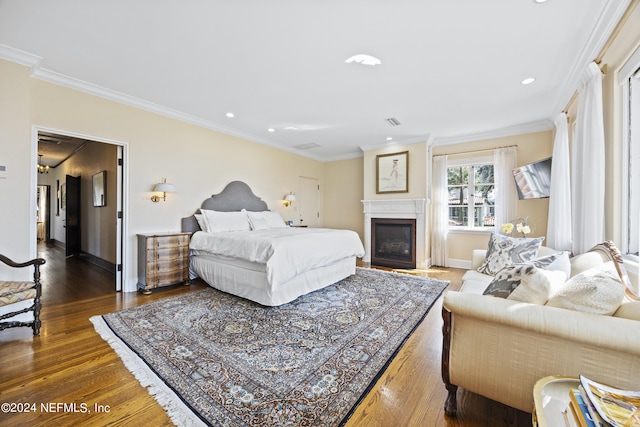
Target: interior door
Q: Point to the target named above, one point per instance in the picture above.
(72, 215)
(308, 201)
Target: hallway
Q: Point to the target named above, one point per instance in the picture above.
(71, 279)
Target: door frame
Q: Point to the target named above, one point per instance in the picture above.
(122, 197)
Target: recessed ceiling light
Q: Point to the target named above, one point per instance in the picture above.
(271, 130)
(230, 115)
(539, 1)
(389, 138)
(528, 81)
(364, 60)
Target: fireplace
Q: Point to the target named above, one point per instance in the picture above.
(397, 209)
(393, 242)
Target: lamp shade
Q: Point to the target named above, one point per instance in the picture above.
(164, 187)
(290, 197)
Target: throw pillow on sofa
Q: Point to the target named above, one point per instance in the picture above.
(531, 281)
(598, 290)
(504, 251)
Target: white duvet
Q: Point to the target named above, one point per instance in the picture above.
(286, 251)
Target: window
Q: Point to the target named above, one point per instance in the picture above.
(630, 82)
(475, 180)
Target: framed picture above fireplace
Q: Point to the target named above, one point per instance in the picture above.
(392, 173)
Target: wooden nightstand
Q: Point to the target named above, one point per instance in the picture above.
(163, 260)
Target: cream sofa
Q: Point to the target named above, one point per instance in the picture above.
(499, 348)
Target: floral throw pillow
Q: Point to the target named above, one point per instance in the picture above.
(531, 281)
(504, 251)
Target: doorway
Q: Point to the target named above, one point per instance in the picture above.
(89, 231)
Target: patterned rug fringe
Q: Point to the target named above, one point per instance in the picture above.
(177, 411)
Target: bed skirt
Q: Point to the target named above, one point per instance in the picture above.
(249, 280)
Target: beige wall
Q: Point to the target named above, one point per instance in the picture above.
(417, 172)
(531, 147)
(343, 194)
(17, 189)
(198, 161)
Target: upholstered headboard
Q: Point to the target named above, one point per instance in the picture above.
(236, 196)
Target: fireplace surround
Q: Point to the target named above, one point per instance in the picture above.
(397, 209)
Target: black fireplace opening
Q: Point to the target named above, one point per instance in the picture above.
(393, 242)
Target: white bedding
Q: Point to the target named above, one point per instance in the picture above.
(286, 252)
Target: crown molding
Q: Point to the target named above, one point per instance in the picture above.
(531, 127)
(418, 140)
(19, 56)
(607, 22)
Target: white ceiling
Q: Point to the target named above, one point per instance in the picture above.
(450, 72)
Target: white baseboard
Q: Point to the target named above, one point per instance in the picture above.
(460, 263)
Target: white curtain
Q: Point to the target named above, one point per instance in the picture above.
(559, 221)
(506, 208)
(588, 163)
(440, 220)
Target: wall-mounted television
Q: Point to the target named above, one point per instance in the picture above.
(533, 181)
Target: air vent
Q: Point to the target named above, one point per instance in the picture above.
(306, 146)
(393, 121)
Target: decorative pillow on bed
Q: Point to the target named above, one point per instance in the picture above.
(598, 290)
(531, 281)
(271, 219)
(202, 222)
(504, 251)
(222, 222)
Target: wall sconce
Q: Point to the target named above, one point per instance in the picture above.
(288, 199)
(164, 188)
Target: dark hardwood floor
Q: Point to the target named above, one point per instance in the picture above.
(70, 364)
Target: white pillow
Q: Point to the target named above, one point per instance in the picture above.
(531, 281)
(598, 290)
(258, 224)
(272, 219)
(222, 222)
(202, 222)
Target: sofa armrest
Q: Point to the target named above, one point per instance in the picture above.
(477, 258)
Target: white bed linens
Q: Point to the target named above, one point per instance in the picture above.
(286, 252)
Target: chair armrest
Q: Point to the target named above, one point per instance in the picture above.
(10, 263)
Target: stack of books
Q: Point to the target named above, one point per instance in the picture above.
(598, 405)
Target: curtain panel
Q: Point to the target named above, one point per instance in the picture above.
(506, 208)
(559, 220)
(440, 220)
(588, 164)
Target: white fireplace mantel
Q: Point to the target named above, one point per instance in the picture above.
(401, 209)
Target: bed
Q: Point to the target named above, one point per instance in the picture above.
(241, 247)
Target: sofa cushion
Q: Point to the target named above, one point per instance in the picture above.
(531, 281)
(474, 282)
(629, 310)
(598, 290)
(504, 251)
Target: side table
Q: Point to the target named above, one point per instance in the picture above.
(551, 401)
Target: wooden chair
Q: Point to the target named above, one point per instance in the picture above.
(12, 292)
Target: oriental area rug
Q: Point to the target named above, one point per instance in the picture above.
(211, 358)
